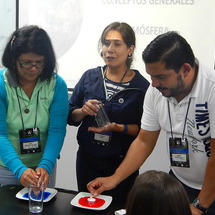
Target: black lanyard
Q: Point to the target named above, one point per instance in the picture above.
(104, 76)
(23, 127)
(184, 121)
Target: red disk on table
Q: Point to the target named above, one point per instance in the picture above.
(84, 201)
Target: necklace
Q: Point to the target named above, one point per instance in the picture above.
(112, 91)
(26, 110)
(105, 72)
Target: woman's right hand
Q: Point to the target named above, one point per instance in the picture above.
(90, 107)
(29, 176)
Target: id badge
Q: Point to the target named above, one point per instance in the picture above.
(29, 140)
(179, 152)
(103, 138)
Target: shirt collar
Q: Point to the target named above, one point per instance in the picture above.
(10, 79)
(196, 86)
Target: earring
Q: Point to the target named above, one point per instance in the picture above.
(130, 56)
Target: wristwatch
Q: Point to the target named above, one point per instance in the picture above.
(197, 204)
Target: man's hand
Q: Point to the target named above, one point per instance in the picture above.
(99, 185)
(194, 210)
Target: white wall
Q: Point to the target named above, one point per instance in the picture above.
(66, 173)
(75, 27)
(7, 12)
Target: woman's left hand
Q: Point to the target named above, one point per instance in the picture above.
(43, 176)
(132, 130)
(109, 127)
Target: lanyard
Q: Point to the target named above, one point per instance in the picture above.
(23, 127)
(104, 75)
(184, 121)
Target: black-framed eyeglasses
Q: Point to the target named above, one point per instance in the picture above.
(30, 65)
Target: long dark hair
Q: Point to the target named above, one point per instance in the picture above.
(25, 40)
(157, 193)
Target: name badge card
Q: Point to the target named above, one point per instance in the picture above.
(29, 140)
(103, 138)
(179, 152)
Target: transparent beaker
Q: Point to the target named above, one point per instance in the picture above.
(101, 117)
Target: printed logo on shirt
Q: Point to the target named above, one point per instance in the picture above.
(43, 98)
(202, 119)
(194, 141)
(203, 124)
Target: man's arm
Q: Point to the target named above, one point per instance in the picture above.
(138, 152)
(207, 194)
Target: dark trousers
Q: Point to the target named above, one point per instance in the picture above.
(89, 168)
(193, 193)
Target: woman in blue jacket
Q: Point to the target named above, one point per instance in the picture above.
(121, 90)
(34, 109)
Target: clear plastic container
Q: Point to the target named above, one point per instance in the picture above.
(101, 117)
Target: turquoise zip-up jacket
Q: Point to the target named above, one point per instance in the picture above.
(56, 131)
